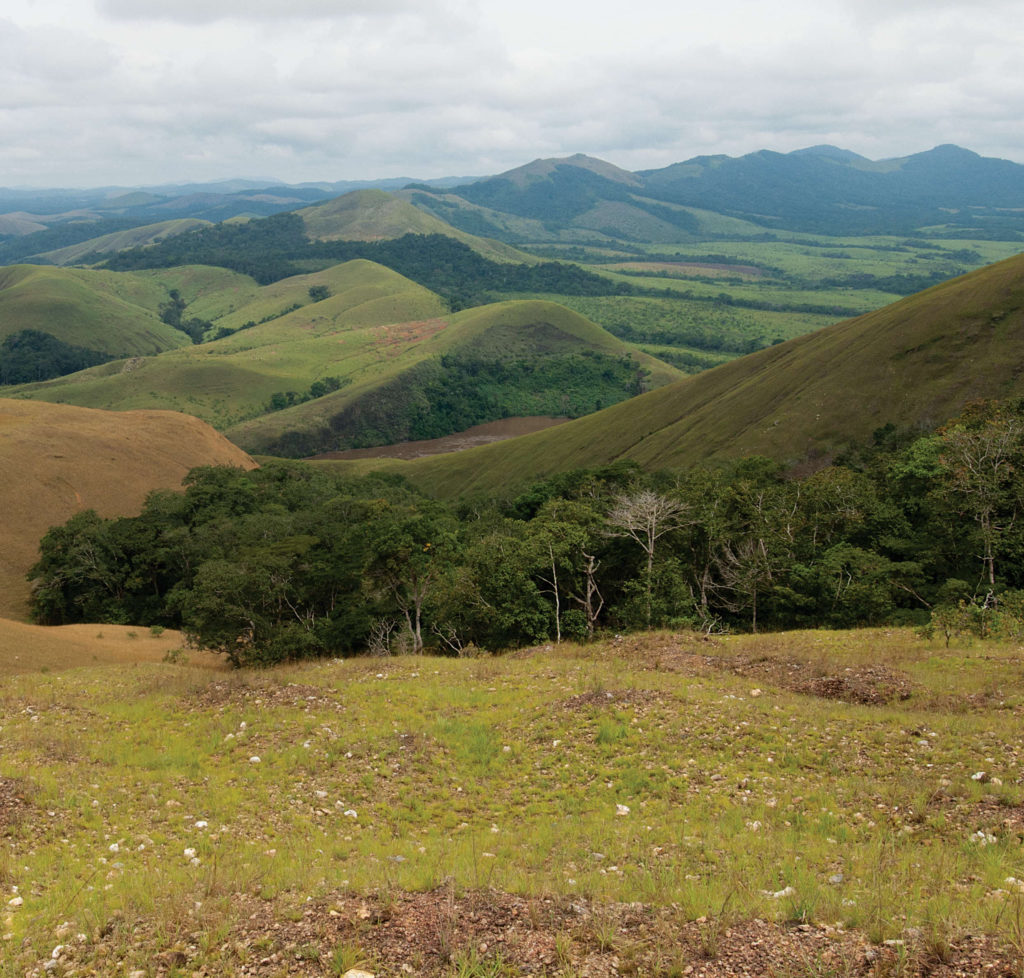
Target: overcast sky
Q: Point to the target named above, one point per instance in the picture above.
(136, 92)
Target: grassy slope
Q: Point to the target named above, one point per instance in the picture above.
(506, 330)
(234, 377)
(58, 460)
(120, 240)
(105, 311)
(386, 787)
(374, 215)
(917, 361)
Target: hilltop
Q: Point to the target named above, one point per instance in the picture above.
(59, 460)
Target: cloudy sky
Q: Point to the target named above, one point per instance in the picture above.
(136, 92)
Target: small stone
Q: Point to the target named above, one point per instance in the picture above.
(622, 809)
(255, 759)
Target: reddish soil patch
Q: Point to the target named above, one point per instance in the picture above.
(481, 434)
(396, 337)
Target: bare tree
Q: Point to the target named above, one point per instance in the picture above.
(645, 516)
(981, 467)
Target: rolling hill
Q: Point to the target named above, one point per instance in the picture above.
(59, 460)
(136, 237)
(347, 352)
(438, 377)
(113, 314)
(914, 364)
(280, 340)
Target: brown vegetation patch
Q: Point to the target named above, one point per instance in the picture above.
(438, 933)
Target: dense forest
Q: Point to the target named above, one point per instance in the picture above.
(290, 561)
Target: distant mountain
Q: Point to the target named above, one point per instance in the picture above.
(914, 364)
(821, 189)
(832, 191)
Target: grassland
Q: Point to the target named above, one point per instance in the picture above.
(531, 331)
(780, 805)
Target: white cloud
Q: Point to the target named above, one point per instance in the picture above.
(138, 91)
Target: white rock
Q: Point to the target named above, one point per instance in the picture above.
(622, 809)
(255, 759)
(15, 902)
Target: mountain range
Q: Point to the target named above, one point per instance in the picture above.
(943, 192)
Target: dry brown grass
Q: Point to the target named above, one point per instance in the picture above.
(33, 648)
(56, 460)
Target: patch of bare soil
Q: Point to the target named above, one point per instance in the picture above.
(439, 933)
(865, 684)
(13, 802)
(612, 697)
(481, 434)
(265, 693)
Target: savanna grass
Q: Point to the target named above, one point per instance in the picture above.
(587, 772)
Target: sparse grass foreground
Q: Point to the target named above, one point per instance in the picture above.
(787, 805)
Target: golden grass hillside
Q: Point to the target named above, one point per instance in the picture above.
(57, 460)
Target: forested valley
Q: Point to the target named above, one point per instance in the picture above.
(291, 561)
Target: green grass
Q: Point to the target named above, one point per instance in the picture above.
(103, 311)
(604, 774)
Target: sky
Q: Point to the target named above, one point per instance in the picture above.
(144, 92)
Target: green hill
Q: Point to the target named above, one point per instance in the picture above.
(103, 311)
(376, 215)
(147, 234)
(913, 364)
(433, 379)
(280, 340)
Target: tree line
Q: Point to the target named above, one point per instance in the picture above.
(290, 561)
